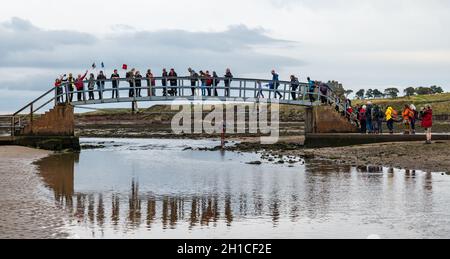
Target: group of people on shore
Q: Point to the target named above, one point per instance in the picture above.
(371, 117)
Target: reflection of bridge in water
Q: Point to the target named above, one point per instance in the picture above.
(136, 209)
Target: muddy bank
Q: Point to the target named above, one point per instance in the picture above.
(26, 210)
(405, 155)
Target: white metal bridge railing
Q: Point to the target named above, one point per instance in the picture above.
(173, 88)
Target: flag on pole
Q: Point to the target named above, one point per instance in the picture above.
(94, 66)
(103, 65)
(124, 66)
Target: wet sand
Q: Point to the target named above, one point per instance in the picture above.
(404, 155)
(26, 210)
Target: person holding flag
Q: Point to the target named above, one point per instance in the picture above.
(79, 84)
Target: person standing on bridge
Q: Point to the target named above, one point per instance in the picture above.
(101, 84)
(216, 82)
(294, 86)
(209, 82)
(228, 78)
(164, 81)
(115, 84)
(173, 82)
(311, 90)
(138, 83)
(70, 86)
(151, 83)
(91, 86)
(203, 82)
(79, 84)
(130, 79)
(59, 90)
(275, 84)
(427, 122)
(194, 80)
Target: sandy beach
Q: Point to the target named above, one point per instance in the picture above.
(26, 211)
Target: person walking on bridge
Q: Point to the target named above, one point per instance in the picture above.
(79, 84)
(427, 122)
(91, 86)
(228, 78)
(194, 80)
(173, 82)
(275, 84)
(294, 86)
(311, 90)
(101, 84)
(164, 81)
(115, 84)
(151, 83)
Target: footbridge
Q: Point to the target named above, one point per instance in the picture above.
(52, 113)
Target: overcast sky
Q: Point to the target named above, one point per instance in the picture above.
(361, 43)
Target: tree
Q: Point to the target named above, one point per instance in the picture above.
(360, 94)
(410, 91)
(377, 94)
(436, 89)
(348, 92)
(369, 94)
(424, 90)
(392, 92)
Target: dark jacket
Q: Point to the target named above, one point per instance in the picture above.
(229, 78)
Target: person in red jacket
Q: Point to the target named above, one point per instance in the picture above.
(79, 84)
(427, 122)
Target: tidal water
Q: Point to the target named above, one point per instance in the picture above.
(155, 189)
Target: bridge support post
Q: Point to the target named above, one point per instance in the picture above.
(133, 107)
(309, 121)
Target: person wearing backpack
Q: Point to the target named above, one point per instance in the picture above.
(376, 119)
(407, 115)
(414, 118)
(294, 86)
(194, 80)
(427, 122)
(229, 78)
(390, 116)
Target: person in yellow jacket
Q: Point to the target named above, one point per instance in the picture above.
(390, 116)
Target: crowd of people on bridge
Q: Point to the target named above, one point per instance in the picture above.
(202, 83)
(368, 117)
(371, 117)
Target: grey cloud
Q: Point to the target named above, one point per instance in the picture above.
(29, 46)
(20, 35)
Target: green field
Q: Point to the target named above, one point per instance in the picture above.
(439, 102)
